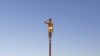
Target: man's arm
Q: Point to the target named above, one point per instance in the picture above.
(46, 22)
(53, 27)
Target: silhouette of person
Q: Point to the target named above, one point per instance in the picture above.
(50, 26)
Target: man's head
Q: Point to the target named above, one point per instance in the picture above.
(50, 20)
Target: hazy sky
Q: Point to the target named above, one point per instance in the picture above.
(76, 32)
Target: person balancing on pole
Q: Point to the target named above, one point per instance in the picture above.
(50, 30)
(50, 26)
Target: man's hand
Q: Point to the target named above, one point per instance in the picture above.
(46, 22)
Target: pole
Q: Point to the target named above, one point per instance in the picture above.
(50, 36)
(49, 46)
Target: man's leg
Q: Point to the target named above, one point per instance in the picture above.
(50, 34)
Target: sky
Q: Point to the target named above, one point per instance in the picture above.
(76, 27)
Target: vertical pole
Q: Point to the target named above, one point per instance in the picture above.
(49, 47)
(50, 43)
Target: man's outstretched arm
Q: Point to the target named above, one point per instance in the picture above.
(46, 22)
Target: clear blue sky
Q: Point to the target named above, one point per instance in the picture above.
(76, 22)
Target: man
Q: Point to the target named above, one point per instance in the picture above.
(50, 27)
